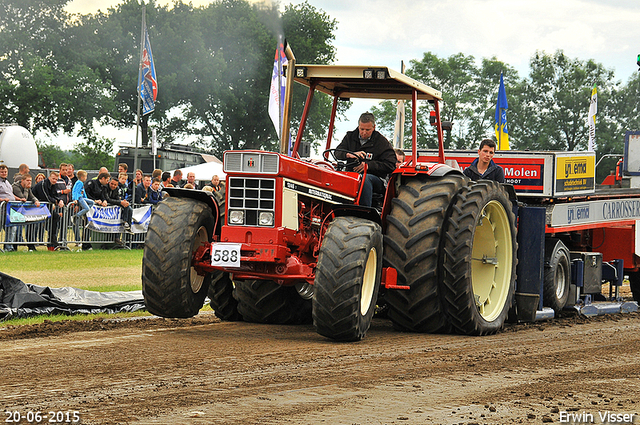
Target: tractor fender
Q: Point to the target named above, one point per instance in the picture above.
(359, 211)
(201, 196)
(513, 197)
(441, 170)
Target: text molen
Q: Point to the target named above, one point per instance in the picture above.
(519, 172)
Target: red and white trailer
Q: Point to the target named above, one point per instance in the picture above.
(582, 221)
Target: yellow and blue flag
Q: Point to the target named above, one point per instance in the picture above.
(502, 133)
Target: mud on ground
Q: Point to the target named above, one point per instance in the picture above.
(203, 371)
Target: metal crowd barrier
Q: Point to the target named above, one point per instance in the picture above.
(70, 232)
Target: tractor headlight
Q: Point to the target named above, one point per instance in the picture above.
(236, 217)
(266, 218)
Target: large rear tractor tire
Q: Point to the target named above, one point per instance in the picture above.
(479, 259)
(170, 285)
(264, 301)
(412, 247)
(222, 301)
(557, 275)
(347, 278)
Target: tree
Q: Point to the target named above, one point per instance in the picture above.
(52, 156)
(96, 152)
(455, 77)
(235, 114)
(550, 107)
(469, 95)
(231, 109)
(310, 33)
(213, 65)
(42, 87)
(625, 104)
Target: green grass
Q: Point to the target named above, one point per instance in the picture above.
(35, 320)
(97, 270)
(61, 317)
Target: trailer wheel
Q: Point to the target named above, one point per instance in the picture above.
(170, 285)
(222, 302)
(634, 283)
(412, 247)
(347, 278)
(557, 275)
(264, 301)
(479, 258)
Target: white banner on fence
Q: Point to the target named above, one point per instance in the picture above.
(141, 216)
(108, 219)
(19, 213)
(105, 219)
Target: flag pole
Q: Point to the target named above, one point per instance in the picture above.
(135, 156)
(500, 119)
(280, 43)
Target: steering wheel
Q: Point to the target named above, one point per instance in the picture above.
(347, 164)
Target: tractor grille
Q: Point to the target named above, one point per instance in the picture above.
(251, 162)
(255, 198)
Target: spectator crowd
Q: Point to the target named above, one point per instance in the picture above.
(65, 189)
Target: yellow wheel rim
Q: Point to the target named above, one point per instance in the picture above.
(368, 281)
(196, 279)
(492, 260)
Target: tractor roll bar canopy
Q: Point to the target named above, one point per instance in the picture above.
(363, 82)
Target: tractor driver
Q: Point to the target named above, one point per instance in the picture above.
(483, 166)
(371, 148)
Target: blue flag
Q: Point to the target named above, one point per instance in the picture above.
(148, 87)
(502, 133)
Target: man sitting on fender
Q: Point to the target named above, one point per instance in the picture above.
(371, 148)
(483, 166)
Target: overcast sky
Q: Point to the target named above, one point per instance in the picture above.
(385, 32)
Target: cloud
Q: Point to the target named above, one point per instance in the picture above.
(373, 32)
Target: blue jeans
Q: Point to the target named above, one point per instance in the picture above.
(372, 183)
(127, 214)
(10, 236)
(85, 204)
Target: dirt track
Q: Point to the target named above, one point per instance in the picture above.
(202, 371)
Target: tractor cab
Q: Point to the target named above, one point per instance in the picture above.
(360, 82)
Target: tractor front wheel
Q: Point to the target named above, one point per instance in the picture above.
(347, 278)
(170, 285)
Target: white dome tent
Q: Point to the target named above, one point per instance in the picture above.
(17, 146)
(203, 172)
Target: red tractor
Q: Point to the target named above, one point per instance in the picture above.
(289, 241)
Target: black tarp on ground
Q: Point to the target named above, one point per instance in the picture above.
(19, 299)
